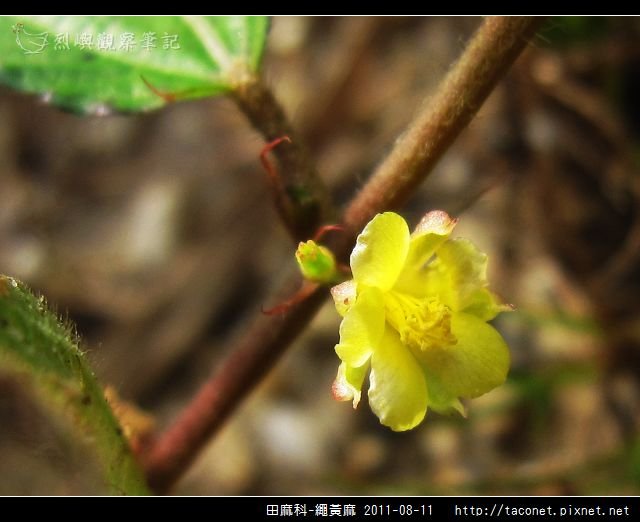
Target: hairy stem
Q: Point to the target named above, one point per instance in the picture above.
(488, 56)
(245, 366)
(486, 59)
(301, 197)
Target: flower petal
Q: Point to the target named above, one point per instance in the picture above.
(362, 327)
(458, 277)
(344, 295)
(397, 391)
(381, 251)
(435, 222)
(432, 231)
(440, 398)
(348, 383)
(476, 364)
(484, 304)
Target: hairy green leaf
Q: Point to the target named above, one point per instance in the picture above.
(44, 353)
(95, 64)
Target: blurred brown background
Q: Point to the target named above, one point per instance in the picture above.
(155, 234)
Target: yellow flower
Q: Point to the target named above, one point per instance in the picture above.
(415, 319)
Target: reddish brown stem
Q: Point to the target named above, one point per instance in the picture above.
(248, 362)
(303, 293)
(278, 190)
(268, 167)
(322, 231)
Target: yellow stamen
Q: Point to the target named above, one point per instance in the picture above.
(422, 323)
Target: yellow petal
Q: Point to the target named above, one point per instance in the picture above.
(441, 398)
(348, 383)
(397, 390)
(344, 295)
(464, 271)
(432, 231)
(362, 328)
(485, 305)
(380, 251)
(476, 364)
(435, 222)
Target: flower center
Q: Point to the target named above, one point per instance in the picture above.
(421, 322)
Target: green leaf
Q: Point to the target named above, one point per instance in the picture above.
(216, 54)
(37, 347)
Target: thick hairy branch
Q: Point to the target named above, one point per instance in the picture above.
(488, 56)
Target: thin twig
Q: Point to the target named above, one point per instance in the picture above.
(486, 59)
(303, 203)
